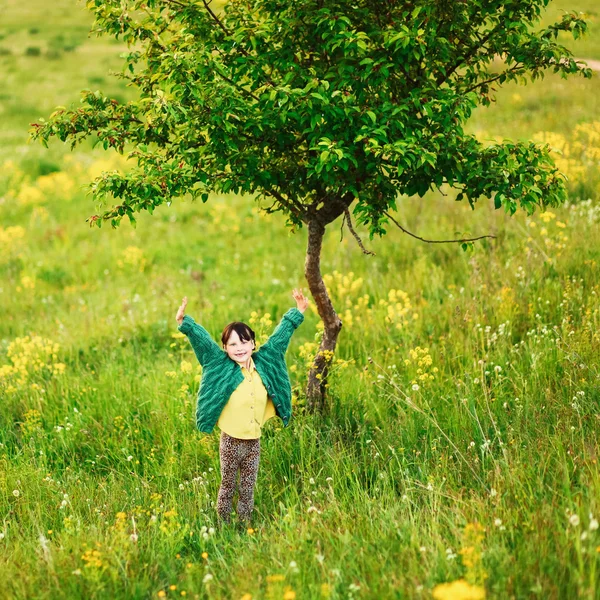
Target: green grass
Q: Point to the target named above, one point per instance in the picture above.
(376, 499)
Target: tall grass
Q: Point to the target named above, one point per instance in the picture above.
(461, 438)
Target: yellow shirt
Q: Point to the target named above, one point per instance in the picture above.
(248, 408)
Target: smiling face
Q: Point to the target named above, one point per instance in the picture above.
(238, 350)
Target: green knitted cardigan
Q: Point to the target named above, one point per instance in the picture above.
(221, 375)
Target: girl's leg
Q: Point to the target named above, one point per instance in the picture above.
(248, 474)
(230, 457)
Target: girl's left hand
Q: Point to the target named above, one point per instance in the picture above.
(301, 301)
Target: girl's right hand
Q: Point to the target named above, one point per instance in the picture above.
(181, 310)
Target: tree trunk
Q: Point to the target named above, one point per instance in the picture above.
(317, 378)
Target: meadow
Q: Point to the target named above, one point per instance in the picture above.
(459, 455)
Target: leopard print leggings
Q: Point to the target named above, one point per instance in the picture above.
(243, 455)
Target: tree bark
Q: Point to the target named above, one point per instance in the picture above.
(317, 378)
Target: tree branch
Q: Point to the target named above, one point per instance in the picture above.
(495, 78)
(289, 204)
(351, 228)
(215, 18)
(468, 56)
(235, 85)
(461, 241)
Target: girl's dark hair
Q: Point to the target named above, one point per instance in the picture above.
(244, 332)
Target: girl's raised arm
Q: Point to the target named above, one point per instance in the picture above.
(179, 316)
(205, 348)
(280, 338)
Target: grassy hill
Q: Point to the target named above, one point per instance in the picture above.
(462, 440)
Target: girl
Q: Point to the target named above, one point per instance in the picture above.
(239, 391)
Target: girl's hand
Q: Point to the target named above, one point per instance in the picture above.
(181, 310)
(301, 301)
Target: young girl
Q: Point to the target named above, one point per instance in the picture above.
(239, 391)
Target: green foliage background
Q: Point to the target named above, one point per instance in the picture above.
(106, 489)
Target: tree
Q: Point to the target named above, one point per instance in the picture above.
(318, 106)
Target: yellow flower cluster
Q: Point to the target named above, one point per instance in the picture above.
(133, 257)
(360, 309)
(551, 235)
(32, 422)
(458, 590)
(120, 524)
(57, 184)
(170, 524)
(471, 551)
(92, 558)
(576, 156)
(561, 151)
(261, 325)
(30, 195)
(398, 308)
(341, 286)
(308, 352)
(342, 289)
(107, 164)
(11, 239)
(29, 356)
(421, 359)
(69, 525)
(11, 175)
(27, 283)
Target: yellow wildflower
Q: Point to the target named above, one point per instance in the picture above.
(458, 590)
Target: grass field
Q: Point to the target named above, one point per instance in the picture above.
(462, 440)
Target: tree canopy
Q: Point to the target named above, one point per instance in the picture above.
(316, 104)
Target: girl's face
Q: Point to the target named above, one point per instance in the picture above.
(238, 350)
